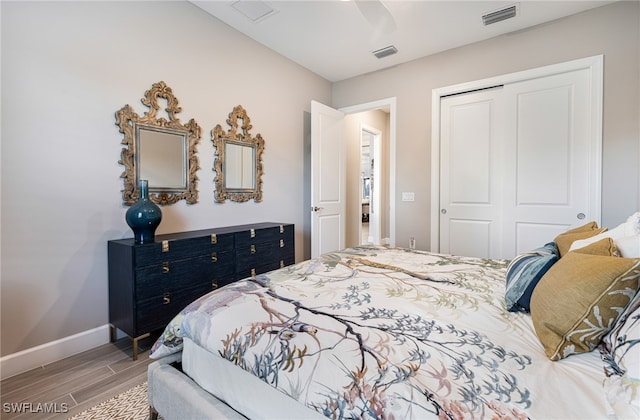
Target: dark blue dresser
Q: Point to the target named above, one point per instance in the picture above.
(149, 284)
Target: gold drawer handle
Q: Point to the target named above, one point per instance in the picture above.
(253, 272)
(214, 239)
(166, 298)
(165, 267)
(281, 263)
(252, 233)
(281, 243)
(214, 284)
(214, 257)
(253, 249)
(281, 229)
(165, 246)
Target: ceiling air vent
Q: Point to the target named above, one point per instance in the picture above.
(499, 15)
(254, 10)
(386, 51)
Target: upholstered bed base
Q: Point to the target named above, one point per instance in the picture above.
(174, 395)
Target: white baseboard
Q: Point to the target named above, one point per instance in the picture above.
(22, 361)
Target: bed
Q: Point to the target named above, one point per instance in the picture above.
(394, 333)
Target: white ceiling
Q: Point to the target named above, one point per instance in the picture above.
(335, 39)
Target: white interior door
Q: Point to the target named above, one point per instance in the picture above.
(470, 192)
(328, 179)
(549, 186)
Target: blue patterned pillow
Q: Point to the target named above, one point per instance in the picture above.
(523, 274)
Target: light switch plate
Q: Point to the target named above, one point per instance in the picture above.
(408, 196)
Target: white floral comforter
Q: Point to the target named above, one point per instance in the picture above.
(376, 332)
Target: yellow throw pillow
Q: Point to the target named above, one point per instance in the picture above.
(604, 246)
(564, 240)
(579, 299)
(584, 228)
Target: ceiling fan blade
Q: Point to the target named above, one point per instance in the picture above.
(377, 14)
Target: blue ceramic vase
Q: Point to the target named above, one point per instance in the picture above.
(144, 216)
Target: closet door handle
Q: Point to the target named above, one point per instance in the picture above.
(580, 216)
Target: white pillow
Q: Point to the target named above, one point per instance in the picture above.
(629, 246)
(630, 228)
(633, 222)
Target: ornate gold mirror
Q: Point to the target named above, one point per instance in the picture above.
(238, 159)
(159, 150)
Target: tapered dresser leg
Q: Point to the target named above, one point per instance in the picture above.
(135, 344)
(112, 333)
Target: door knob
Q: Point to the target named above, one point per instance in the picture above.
(580, 216)
(314, 208)
(443, 211)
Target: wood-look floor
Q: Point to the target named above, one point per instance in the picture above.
(76, 383)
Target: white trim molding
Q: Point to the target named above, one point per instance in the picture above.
(38, 356)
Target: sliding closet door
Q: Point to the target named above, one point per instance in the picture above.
(548, 186)
(471, 198)
(517, 165)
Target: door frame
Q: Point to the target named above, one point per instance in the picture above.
(594, 64)
(390, 104)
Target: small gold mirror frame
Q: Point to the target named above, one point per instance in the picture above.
(238, 174)
(161, 161)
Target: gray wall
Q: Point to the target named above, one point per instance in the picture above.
(612, 30)
(67, 67)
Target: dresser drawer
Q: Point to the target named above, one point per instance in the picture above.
(250, 271)
(156, 312)
(157, 252)
(256, 254)
(270, 234)
(171, 276)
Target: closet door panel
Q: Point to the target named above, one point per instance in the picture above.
(470, 192)
(543, 125)
(548, 123)
(529, 236)
(478, 234)
(470, 153)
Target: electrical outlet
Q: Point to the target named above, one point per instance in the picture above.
(408, 196)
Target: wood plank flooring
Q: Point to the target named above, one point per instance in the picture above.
(76, 383)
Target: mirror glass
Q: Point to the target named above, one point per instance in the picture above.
(238, 159)
(162, 151)
(161, 158)
(239, 166)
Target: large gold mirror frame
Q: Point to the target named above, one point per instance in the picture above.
(159, 150)
(238, 160)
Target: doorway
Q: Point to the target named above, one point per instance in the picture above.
(317, 242)
(361, 126)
